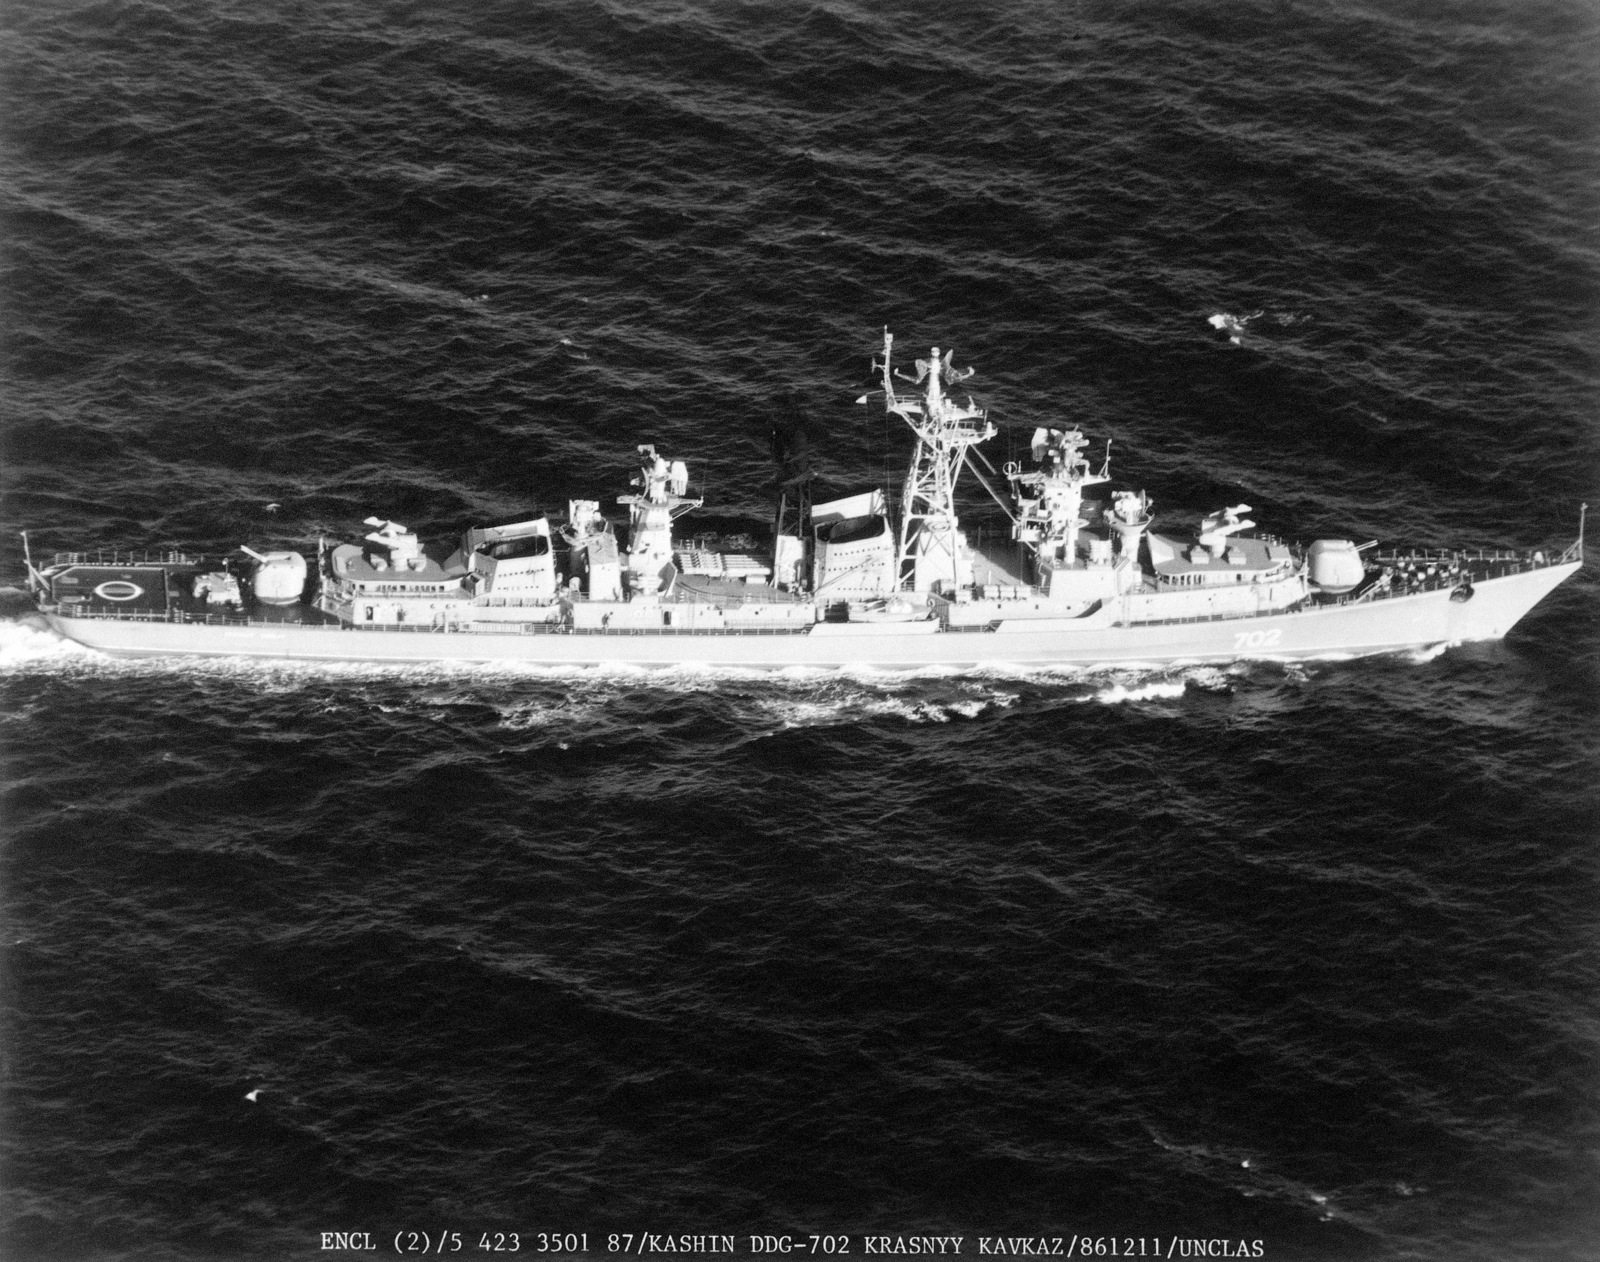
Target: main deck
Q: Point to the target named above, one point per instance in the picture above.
(1427, 598)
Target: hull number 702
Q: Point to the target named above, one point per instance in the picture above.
(1256, 640)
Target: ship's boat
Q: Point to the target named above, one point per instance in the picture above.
(1082, 576)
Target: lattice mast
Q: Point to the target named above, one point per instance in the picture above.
(932, 550)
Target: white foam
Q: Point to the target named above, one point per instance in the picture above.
(1425, 653)
(23, 646)
(915, 712)
(1213, 679)
(534, 715)
(1163, 690)
(803, 713)
(1233, 324)
(833, 705)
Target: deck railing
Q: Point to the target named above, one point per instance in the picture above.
(181, 618)
(114, 558)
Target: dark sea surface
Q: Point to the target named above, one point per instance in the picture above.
(1186, 960)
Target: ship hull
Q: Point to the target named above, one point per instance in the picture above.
(1356, 628)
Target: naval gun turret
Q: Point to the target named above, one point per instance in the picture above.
(277, 578)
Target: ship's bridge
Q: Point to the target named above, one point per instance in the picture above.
(1189, 563)
(420, 575)
(390, 563)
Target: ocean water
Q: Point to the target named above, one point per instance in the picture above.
(1290, 961)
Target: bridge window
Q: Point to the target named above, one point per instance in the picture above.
(515, 549)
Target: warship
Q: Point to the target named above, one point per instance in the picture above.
(1084, 576)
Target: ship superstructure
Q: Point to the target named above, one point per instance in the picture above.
(1082, 577)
